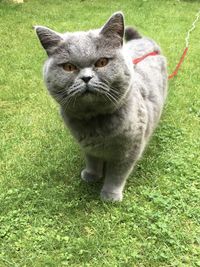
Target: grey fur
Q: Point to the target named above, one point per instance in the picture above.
(114, 114)
(131, 34)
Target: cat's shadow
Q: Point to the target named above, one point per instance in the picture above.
(142, 175)
(74, 192)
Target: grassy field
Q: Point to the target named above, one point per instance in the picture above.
(48, 216)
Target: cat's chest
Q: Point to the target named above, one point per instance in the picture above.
(104, 140)
(98, 128)
(104, 135)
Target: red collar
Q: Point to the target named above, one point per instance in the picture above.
(137, 60)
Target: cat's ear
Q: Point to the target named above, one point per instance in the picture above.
(114, 27)
(49, 39)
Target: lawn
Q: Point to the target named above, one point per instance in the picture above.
(48, 216)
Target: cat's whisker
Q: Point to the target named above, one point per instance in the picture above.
(106, 88)
(104, 85)
(106, 82)
(112, 99)
(67, 103)
(74, 101)
(60, 95)
(97, 88)
(59, 99)
(71, 96)
(118, 95)
(113, 89)
(110, 94)
(114, 93)
(74, 87)
(73, 90)
(101, 85)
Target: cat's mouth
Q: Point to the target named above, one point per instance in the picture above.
(88, 90)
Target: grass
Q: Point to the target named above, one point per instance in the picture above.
(48, 216)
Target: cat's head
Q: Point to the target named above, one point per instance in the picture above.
(87, 72)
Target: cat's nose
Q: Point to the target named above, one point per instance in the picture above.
(86, 79)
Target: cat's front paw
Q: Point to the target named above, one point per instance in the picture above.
(89, 177)
(111, 196)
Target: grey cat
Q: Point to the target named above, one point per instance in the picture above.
(110, 105)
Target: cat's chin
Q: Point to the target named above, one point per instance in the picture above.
(89, 94)
(89, 102)
(89, 90)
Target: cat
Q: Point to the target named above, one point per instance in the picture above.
(110, 105)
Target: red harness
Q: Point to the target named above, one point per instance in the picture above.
(155, 53)
(137, 60)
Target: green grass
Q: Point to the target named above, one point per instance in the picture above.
(48, 216)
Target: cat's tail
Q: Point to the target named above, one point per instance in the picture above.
(131, 34)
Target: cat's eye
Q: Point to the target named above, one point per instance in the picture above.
(69, 67)
(101, 62)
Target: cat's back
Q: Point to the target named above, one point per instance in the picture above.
(149, 76)
(140, 47)
(150, 70)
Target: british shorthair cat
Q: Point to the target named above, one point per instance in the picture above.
(110, 104)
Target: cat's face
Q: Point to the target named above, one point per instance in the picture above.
(86, 72)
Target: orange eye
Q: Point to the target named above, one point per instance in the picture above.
(69, 67)
(101, 62)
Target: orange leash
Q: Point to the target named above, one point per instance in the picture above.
(175, 72)
(155, 53)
